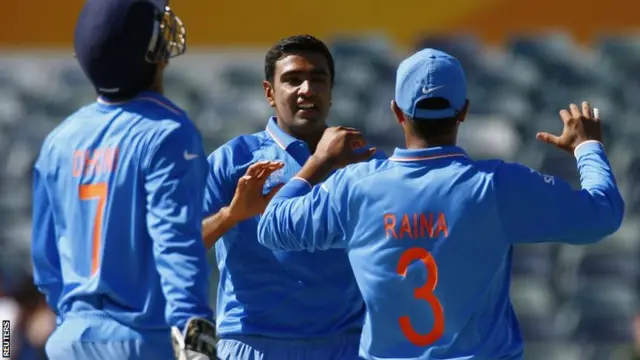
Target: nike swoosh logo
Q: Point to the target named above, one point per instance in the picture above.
(427, 91)
(188, 156)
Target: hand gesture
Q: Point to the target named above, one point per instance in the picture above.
(248, 200)
(579, 126)
(341, 146)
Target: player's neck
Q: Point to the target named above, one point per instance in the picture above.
(311, 139)
(416, 143)
(158, 88)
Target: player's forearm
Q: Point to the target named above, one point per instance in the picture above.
(184, 270)
(538, 208)
(314, 170)
(605, 200)
(46, 271)
(298, 218)
(217, 225)
(47, 275)
(275, 229)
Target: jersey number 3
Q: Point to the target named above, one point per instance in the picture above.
(95, 192)
(425, 293)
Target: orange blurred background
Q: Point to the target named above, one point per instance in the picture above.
(45, 23)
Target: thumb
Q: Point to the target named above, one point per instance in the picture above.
(548, 138)
(273, 192)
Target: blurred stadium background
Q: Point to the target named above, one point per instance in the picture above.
(525, 60)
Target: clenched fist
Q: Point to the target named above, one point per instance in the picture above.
(341, 146)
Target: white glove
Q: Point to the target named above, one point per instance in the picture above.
(197, 342)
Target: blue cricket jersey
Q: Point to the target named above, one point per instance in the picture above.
(117, 215)
(429, 235)
(280, 294)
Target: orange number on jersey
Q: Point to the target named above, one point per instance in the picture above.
(92, 192)
(425, 293)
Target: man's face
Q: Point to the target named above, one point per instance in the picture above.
(301, 92)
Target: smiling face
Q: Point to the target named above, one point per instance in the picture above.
(301, 92)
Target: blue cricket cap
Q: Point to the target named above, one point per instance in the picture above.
(430, 73)
(111, 42)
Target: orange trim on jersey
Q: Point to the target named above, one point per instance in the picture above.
(421, 158)
(163, 104)
(143, 98)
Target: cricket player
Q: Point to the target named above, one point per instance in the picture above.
(429, 232)
(279, 305)
(117, 207)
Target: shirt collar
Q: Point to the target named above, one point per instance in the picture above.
(278, 135)
(408, 155)
(148, 96)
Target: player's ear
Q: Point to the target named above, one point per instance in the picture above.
(462, 115)
(268, 93)
(399, 115)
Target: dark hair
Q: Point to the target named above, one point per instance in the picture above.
(294, 44)
(434, 128)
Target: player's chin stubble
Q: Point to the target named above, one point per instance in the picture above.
(309, 124)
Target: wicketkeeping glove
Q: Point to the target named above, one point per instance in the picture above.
(197, 342)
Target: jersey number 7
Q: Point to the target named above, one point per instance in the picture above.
(92, 192)
(425, 293)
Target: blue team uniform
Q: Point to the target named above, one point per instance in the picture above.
(430, 232)
(455, 235)
(277, 304)
(117, 244)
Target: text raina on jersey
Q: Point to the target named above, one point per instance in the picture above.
(415, 226)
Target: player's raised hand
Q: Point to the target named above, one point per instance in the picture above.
(341, 146)
(580, 125)
(248, 200)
